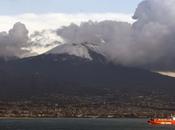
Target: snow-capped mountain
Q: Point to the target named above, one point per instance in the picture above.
(82, 50)
(75, 69)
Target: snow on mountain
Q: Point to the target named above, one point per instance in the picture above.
(77, 49)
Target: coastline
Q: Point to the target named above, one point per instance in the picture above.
(33, 118)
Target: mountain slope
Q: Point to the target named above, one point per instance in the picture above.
(66, 73)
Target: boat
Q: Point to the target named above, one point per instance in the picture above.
(162, 121)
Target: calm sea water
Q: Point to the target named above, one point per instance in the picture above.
(79, 124)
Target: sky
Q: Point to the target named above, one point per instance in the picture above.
(14, 7)
(58, 13)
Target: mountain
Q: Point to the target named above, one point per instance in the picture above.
(83, 50)
(76, 69)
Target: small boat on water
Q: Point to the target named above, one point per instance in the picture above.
(162, 121)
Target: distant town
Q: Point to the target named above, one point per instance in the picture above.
(87, 107)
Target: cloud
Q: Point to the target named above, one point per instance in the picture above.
(34, 22)
(154, 34)
(18, 43)
(112, 37)
(171, 74)
(42, 41)
(37, 36)
(148, 43)
(15, 42)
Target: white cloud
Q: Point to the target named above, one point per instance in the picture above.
(55, 20)
(43, 41)
(171, 74)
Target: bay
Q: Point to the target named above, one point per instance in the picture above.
(79, 124)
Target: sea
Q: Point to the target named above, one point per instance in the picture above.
(79, 124)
